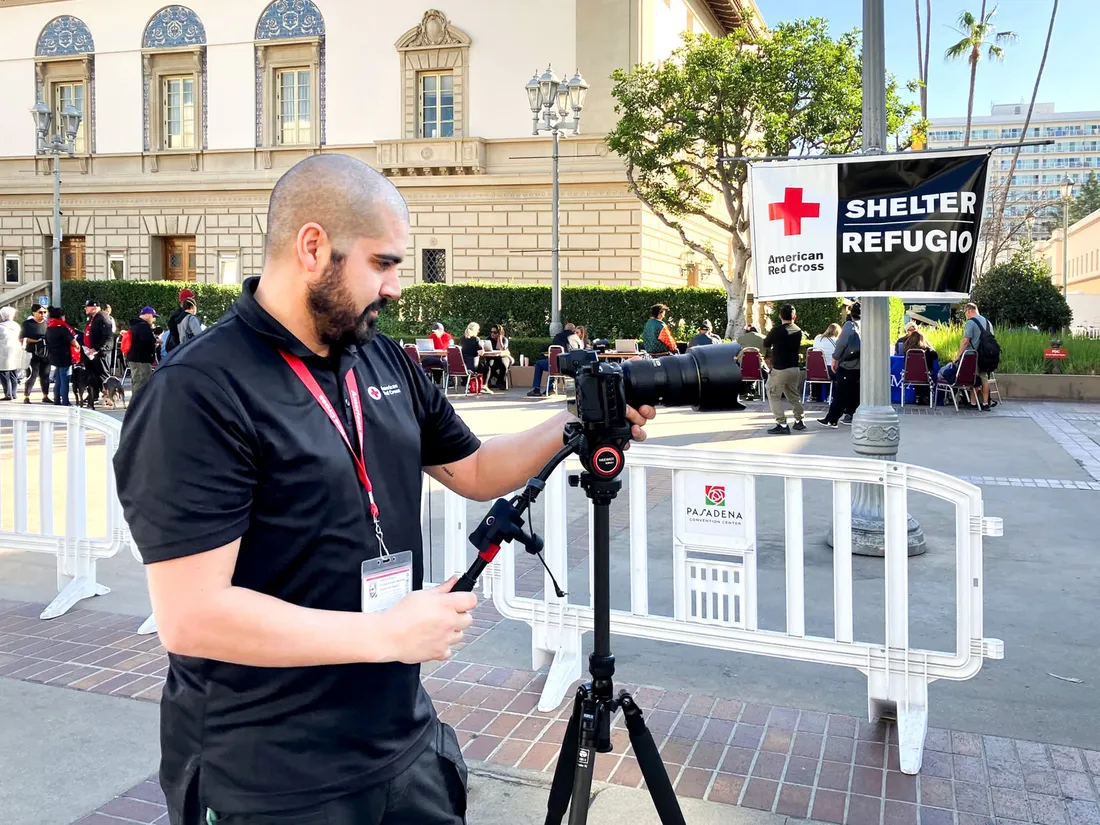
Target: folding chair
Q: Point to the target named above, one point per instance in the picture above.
(993, 389)
(751, 370)
(816, 373)
(554, 374)
(456, 369)
(964, 378)
(915, 374)
(414, 355)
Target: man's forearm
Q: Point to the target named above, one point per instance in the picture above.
(506, 462)
(249, 628)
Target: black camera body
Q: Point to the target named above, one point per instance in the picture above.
(600, 405)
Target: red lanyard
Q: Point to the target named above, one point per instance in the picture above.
(306, 377)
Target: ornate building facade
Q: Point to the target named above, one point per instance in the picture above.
(191, 112)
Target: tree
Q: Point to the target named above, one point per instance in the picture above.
(977, 32)
(922, 58)
(793, 89)
(1020, 293)
(999, 237)
(1087, 200)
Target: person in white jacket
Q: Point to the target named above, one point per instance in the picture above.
(11, 353)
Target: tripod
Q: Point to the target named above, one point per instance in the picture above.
(589, 730)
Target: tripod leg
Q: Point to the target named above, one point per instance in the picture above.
(590, 716)
(651, 764)
(561, 788)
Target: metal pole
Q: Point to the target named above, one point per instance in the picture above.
(555, 280)
(56, 230)
(876, 431)
(1065, 247)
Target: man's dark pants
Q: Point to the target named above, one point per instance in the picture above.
(40, 368)
(845, 395)
(431, 791)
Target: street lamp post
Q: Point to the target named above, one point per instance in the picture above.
(56, 145)
(551, 100)
(1067, 195)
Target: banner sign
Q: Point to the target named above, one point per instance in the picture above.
(902, 225)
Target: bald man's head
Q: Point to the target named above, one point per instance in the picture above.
(344, 196)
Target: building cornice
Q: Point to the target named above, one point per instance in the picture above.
(731, 14)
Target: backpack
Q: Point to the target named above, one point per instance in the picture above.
(989, 350)
(173, 332)
(124, 342)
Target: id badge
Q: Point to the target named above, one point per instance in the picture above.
(386, 581)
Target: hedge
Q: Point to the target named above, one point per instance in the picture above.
(815, 314)
(128, 297)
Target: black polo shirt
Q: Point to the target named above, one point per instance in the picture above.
(784, 343)
(225, 442)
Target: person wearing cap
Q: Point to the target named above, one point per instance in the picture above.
(98, 335)
(441, 339)
(143, 347)
(178, 314)
(705, 336)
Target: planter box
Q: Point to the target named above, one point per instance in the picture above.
(1056, 387)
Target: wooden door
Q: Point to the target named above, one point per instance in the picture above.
(179, 258)
(72, 258)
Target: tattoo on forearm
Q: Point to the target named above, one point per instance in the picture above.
(447, 470)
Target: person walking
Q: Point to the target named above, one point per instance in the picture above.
(143, 348)
(33, 336)
(783, 345)
(11, 353)
(845, 366)
(270, 473)
(98, 334)
(59, 347)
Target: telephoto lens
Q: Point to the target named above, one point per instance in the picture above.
(706, 377)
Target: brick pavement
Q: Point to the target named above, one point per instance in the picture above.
(830, 767)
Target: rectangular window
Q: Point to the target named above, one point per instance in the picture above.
(229, 268)
(69, 94)
(434, 266)
(179, 113)
(293, 107)
(116, 266)
(12, 267)
(437, 104)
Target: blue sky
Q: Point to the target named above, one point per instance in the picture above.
(1068, 81)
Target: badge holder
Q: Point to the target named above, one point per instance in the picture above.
(386, 580)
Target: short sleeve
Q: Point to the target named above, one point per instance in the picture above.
(186, 466)
(971, 330)
(444, 437)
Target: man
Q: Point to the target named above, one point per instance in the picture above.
(33, 337)
(143, 348)
(706, 336)
(783, 345)
(976, 326)
(188, 326)
(437, 364)
(264, 513)
(177, 315)
(845, 364)
(751, 338)
(656, 336)
(568, 340)
(98, 335)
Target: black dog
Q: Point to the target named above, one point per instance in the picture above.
(113, 391)
(78, 383)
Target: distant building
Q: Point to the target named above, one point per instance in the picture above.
(1084, 255)
(1036, 183)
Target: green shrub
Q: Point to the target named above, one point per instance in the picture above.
(128, 297)
(1020, 293)
(815, 314)
(1022, 350)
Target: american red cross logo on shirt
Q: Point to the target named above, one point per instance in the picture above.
(792, 210)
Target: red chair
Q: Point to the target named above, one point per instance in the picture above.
(456, 369)
(554, 374)
(915, 374)
(414, 355)
(752, 371)
(964, 378)
(816, 373)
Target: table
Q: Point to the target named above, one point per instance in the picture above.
(897, 366)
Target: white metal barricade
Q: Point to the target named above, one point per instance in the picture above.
(77, 552)
(715, 575)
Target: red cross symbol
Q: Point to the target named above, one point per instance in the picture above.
(792, 210)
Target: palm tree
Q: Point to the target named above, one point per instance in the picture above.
(977, 33)
(922, 58)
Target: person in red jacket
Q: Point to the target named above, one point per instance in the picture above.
(441, 339)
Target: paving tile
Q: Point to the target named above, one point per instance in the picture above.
(807, 744)
(726, 788)
(1000, 749)
(477, 720)
(717, 730)
(1010, 804)
(967, 744)
(1066, 759)
(776, 741)
(783, 719)
(676, 750)
(699, 705)
(673, 701)
(728, 709)
(475, 673)
(839, 748)
(523, 703)
(453, 714)
(970, 769)
(937, 793)
(451, 692)
(842, 726)
(812, 722)
(530, 728)
(135, 809)
(794, 800)
(689, 726)
(871, 731)
(509, 753)
(972, 798)
(828, 806)
(899, 813)
(747, 736)
(834, 776)
(759, 794)
(936, 816)
(1006, 775)
(769, 765)
(503, 724)
(1041, 781)
(707, 755)
(1092, 760)
(555, 734)
(1076, 785)
(1048, 810)
(937, 739)
(1033, 753)
(863, 810)
(148, 791)
(628, 773)
(937, 764)
(693, 783)
(801, 771)
(756, 714)
(867, 781)
(1083, 813)
(871, 754)
(538, 757)
(901, 787)
(480, 747)
(660, 722)
(737, 761)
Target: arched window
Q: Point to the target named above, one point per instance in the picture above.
(65, 74)
(290, 75)
(173, 50)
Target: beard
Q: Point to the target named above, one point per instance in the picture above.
(331, 304)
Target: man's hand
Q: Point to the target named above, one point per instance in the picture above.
(638, 418)
(427, 624)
